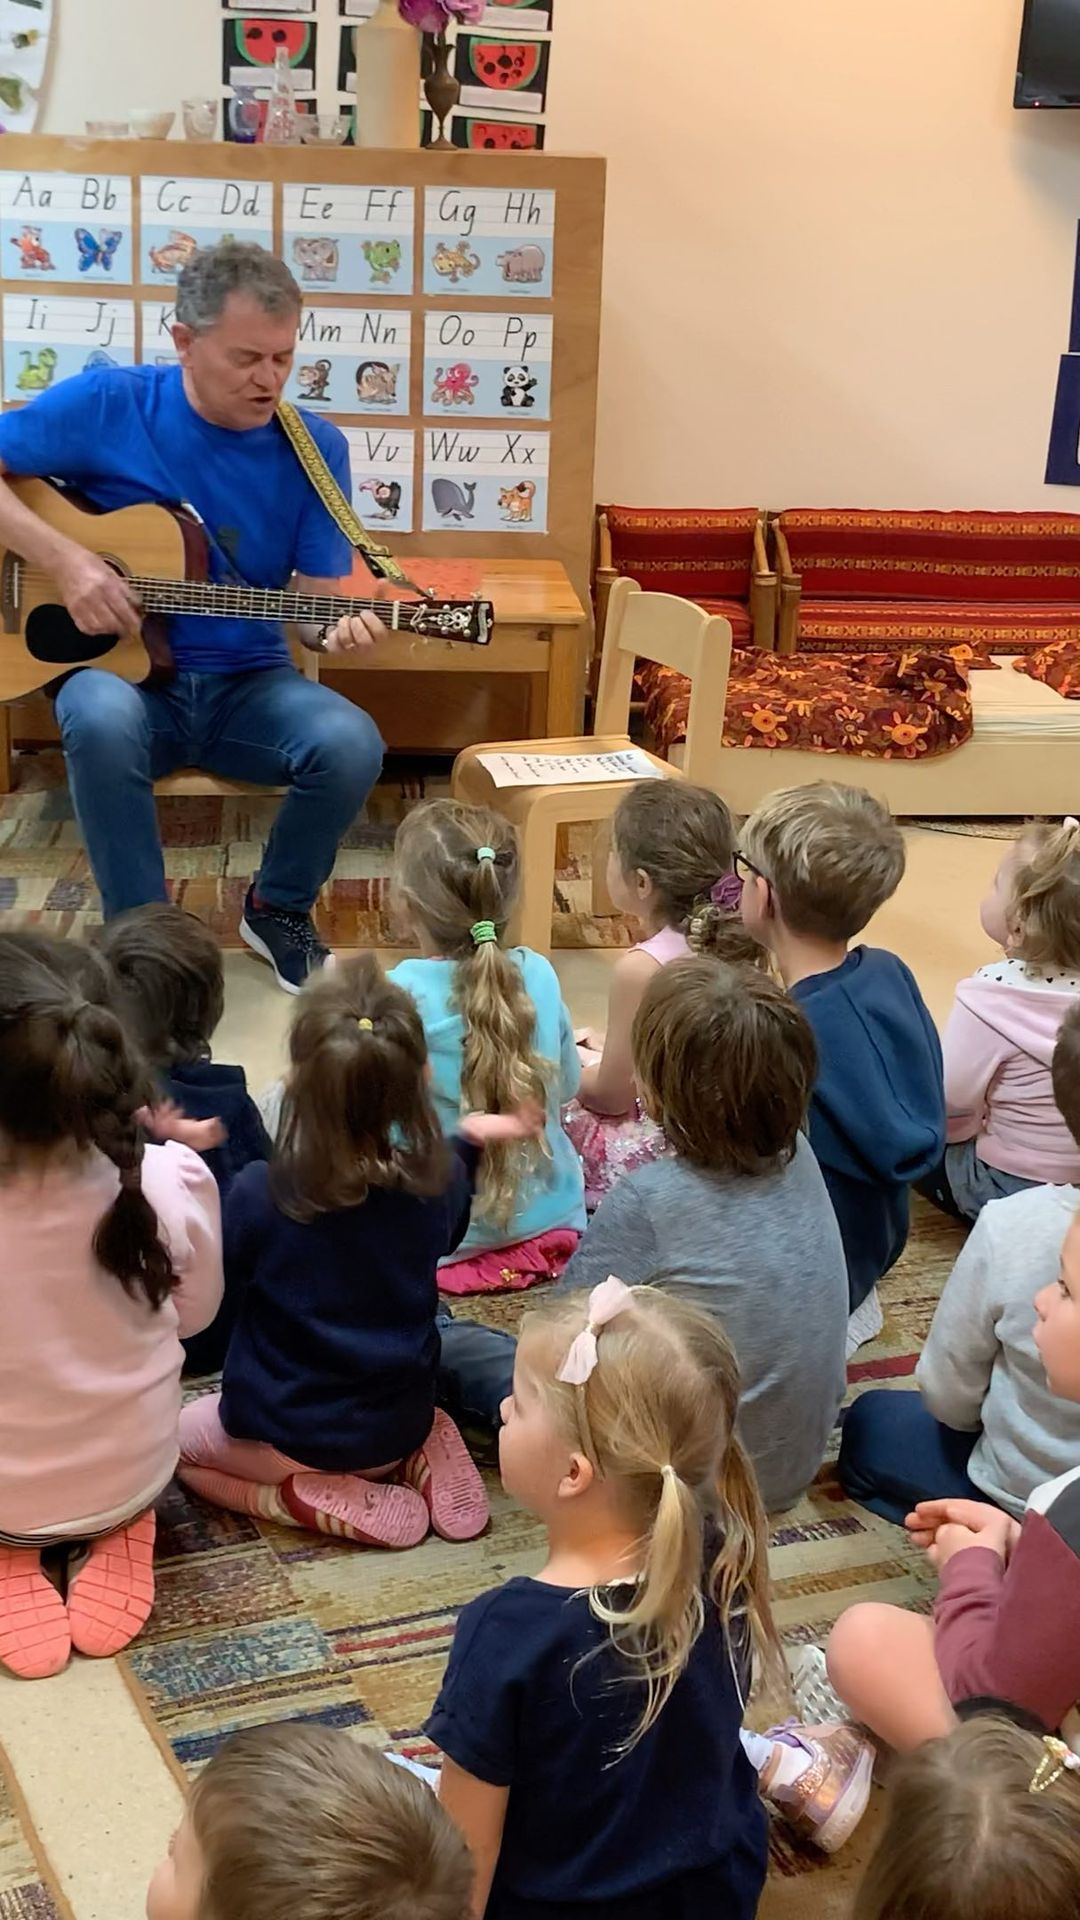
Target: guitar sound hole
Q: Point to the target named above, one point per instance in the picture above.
(53, 638)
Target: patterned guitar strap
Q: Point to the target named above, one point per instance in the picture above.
(379, 559)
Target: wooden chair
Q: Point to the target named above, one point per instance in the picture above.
(650, 626)
(790, 591)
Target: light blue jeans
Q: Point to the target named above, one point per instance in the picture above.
(272, 727)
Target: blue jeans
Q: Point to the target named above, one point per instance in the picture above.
(893, 1453)
(271, 727)
(476, 1373)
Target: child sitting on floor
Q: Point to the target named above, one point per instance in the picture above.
(1006, 1623)
(326, 1417)
(816, 863)
(1005, 1132)
(979, 1825)
(599, 1704)
(671, 851)
(984, 1423)
(301, 1822)
(169, 988)
(110, 1253)
(497, 1034)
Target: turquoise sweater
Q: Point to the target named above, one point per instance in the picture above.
(555, 1197)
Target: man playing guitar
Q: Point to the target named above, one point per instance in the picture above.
(204, 432)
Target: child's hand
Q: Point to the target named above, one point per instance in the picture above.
(951, 1539)
(975, 1515)
(999, 1534)
(167, 1121)
(527, 1122)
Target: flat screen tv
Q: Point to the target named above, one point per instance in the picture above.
(1048, 70)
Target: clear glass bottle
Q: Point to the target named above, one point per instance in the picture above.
(281, 129)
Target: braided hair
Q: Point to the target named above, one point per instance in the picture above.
(68, 1074)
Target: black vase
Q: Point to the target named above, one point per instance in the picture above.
(442, 89)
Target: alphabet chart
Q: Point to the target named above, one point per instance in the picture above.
(65, 226)
(352, 360)
(180, 215)
(489, 240)
(488, 363)
(443, 330)
(350, 239)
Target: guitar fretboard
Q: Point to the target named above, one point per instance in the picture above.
(222, 601)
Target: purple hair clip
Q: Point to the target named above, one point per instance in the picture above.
(726, 893)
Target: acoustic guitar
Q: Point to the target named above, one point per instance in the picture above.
(163, 555)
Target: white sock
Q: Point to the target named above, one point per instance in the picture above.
(791, 1762)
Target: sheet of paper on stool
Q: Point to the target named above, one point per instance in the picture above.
(567, 769)
(429, 1775)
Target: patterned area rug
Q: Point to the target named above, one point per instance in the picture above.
(254, 1623)
(212, 849)
(24, 1894)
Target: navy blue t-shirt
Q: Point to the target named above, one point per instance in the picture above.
(126, 435)
(535, 1699)
(335, 1349)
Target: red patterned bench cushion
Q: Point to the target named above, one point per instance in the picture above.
(877, 706)
(978, 629)
(1057, 667)
(994, 557)
(696, 553)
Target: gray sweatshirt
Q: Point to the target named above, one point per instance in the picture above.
(980, 1365)
(765, 1256)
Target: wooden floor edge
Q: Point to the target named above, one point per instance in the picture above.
(42, 1862)
(146, 1714)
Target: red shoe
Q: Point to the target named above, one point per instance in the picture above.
(35, 1639)
(444, 1473)
(377, 1513)
(111, 1597)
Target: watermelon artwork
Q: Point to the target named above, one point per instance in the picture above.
(506, 65)
(502, 136)
(257, 41)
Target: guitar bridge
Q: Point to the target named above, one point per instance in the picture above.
(9, 592)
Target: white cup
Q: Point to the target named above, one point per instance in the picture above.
(151, 123)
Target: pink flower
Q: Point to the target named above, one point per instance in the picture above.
(434, 16)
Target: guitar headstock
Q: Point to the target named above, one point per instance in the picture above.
(470, 621)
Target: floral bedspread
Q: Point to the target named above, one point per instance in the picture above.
(878, 706)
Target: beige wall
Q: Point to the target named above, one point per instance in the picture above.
(838, 266)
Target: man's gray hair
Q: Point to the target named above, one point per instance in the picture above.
(233, 266)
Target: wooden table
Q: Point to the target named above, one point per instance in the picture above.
(541, 632)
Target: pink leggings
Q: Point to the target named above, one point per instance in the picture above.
(205, 1443)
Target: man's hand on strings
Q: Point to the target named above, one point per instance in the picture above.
(357, 633)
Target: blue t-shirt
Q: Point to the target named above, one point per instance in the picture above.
(877, 1112)
(126, 435)
(555, 1196)
(535, 1698)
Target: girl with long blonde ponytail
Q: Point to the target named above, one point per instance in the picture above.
(590, 1718)
(498, 1035)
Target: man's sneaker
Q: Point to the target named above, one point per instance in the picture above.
(827, 1801)
(287, 940)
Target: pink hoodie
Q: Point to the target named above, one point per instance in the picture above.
(998, 1044)
(89, 1376)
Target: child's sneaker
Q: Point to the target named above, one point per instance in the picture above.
(817, 1700)
(112, 1596)
(444, 1473)
(827, 1801)
(35, 1639)
(376, 1513)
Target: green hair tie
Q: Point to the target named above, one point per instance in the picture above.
(485, 853)
(482, 932)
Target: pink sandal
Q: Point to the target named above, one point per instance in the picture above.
(444, 1473)
(35, 1639)
(111, 1598)
(377, 1513)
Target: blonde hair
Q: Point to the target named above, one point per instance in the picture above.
(832, 854)
(1043, 915)
(456, 868)
(969, 1835)
(300, 1822)
(657, 1416)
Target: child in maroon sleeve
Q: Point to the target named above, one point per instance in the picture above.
(1006, 1623)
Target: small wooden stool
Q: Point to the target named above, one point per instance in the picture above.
(649, 626)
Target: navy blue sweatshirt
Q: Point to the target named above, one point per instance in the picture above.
(877, 1113)
(206, 1091)
(335, 1351)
